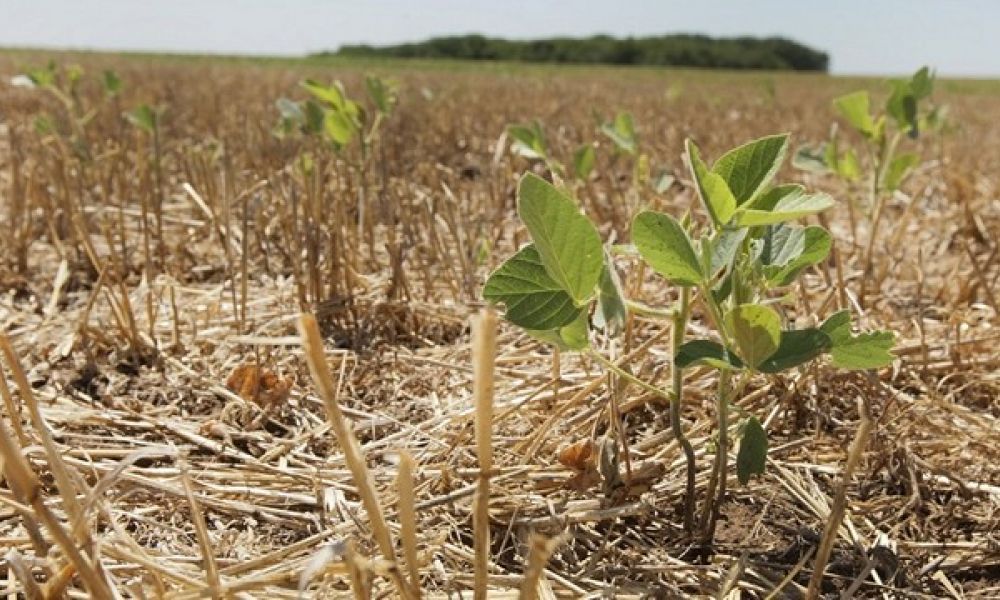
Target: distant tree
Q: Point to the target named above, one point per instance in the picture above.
(683, 50)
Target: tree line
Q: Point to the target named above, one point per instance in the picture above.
(682, 50)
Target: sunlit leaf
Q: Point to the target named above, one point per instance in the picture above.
(749, 168)
(756, 330)
(716, 197)
(854, 107)
(566, 240)
(666, 247)
(792, 206)
(857, 352)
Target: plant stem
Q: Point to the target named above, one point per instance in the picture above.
(651, 312)
(611, 366)
(680, 319)
(717, 482)
(877, 202)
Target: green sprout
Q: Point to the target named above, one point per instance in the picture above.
(565, 281)
(880, 164)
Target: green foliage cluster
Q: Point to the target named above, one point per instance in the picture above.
(63, 83)
(331, 114)
(879, 163)
(904, 114)
(683, 50)
(734, 266)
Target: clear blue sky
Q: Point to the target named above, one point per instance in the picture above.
(958, 37)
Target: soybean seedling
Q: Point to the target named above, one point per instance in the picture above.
(340, 120)
(556, 286)
(63, 84)
(880, 164)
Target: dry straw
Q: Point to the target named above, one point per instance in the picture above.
(312, 343)
(483, 357)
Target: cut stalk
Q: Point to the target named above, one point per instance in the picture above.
(312, 343)
(483, 353)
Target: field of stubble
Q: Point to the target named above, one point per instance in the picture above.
(139, 273)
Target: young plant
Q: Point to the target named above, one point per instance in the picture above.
(529, 142)
(63, 84)
(344, 120)
(555, 287)
(880, 164)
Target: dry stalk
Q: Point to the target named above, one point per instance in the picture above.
(484, 333)
(408, 520)
(27, 489)
(312, 343)
(538, 556)
(839, 503)
(64, 481)
(198, 520)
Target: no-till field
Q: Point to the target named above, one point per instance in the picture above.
(129, 324)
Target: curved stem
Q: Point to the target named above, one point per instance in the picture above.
(677, 383)
(725, 391)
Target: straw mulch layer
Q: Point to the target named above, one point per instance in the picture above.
(177, 445)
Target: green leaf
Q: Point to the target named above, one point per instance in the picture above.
(769, 199)
(533, 299)
(583, 161)
(752, 455)
(571, 338)
(529, 141)
(902, 105)
(338, 128)
(787, 250)
(865, 351)
(811, 159)
(724, 248)
(922, 83)
(794, 205)
(566, 240)
(331, 94)
(143, 117)
(576, 335)
(848, 166)
(798, 346)
(715, 194)
(706, 352)
(611, 312)
(112, 83)
(756, 330)
(382, 93)
(621, 131)
(898, 169)
(314, 117)
(666, 247)
(854, 108)
(749, 168)
(857, 352)
(837, 326)
(662, 182)
(290, 110)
